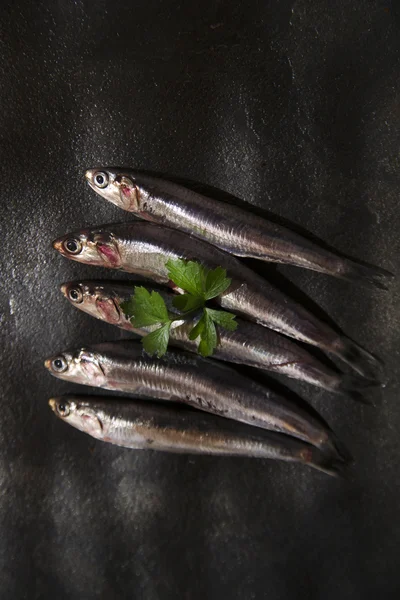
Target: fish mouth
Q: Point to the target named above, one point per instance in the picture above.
(89, 176)
(64, 288)
(47, 363)
(57, 245)
(53, 404)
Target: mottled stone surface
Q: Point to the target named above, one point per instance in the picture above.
(292, 106)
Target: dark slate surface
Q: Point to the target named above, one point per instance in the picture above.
(292, 106)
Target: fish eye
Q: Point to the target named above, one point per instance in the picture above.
(63, 409)
(101, 179)
(73, 246)
(59, 364)
(75, 295)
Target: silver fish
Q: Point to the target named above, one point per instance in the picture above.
(144, 249)
(250, 344)
(224, 225)
(146, 425)
(193, 380)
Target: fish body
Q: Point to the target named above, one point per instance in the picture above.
(147, 425)
(224, 225)
(144, 249)
(250, 344)
(192, 380)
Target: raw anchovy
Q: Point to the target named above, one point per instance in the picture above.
(144, 249)
(190, 379)
(146, 425)
(250, 344)
(226, 226)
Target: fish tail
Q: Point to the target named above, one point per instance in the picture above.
(326, 463)
(354, 386)
(359, 359)
(338, 450)
(374, 276)
(331, 457)
(339, 383)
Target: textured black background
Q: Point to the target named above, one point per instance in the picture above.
(292, 106)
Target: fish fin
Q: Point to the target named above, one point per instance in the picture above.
(360, 360)
(374, 276)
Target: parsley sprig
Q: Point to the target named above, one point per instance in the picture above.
(200, 284)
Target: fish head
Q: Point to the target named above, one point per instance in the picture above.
(116, 186)
(92, 247)
(93, 298)
(79, 414)
(78, 366)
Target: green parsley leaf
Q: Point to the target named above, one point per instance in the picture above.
(156, 342)
(216, 283)
(148, 308)
(188, 275)
(127, 306)
(208, 337)
(205, 330)
(200, 284)
(198, 329)
(187, 302)
(223, 318)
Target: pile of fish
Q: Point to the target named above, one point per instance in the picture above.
(245, 417)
